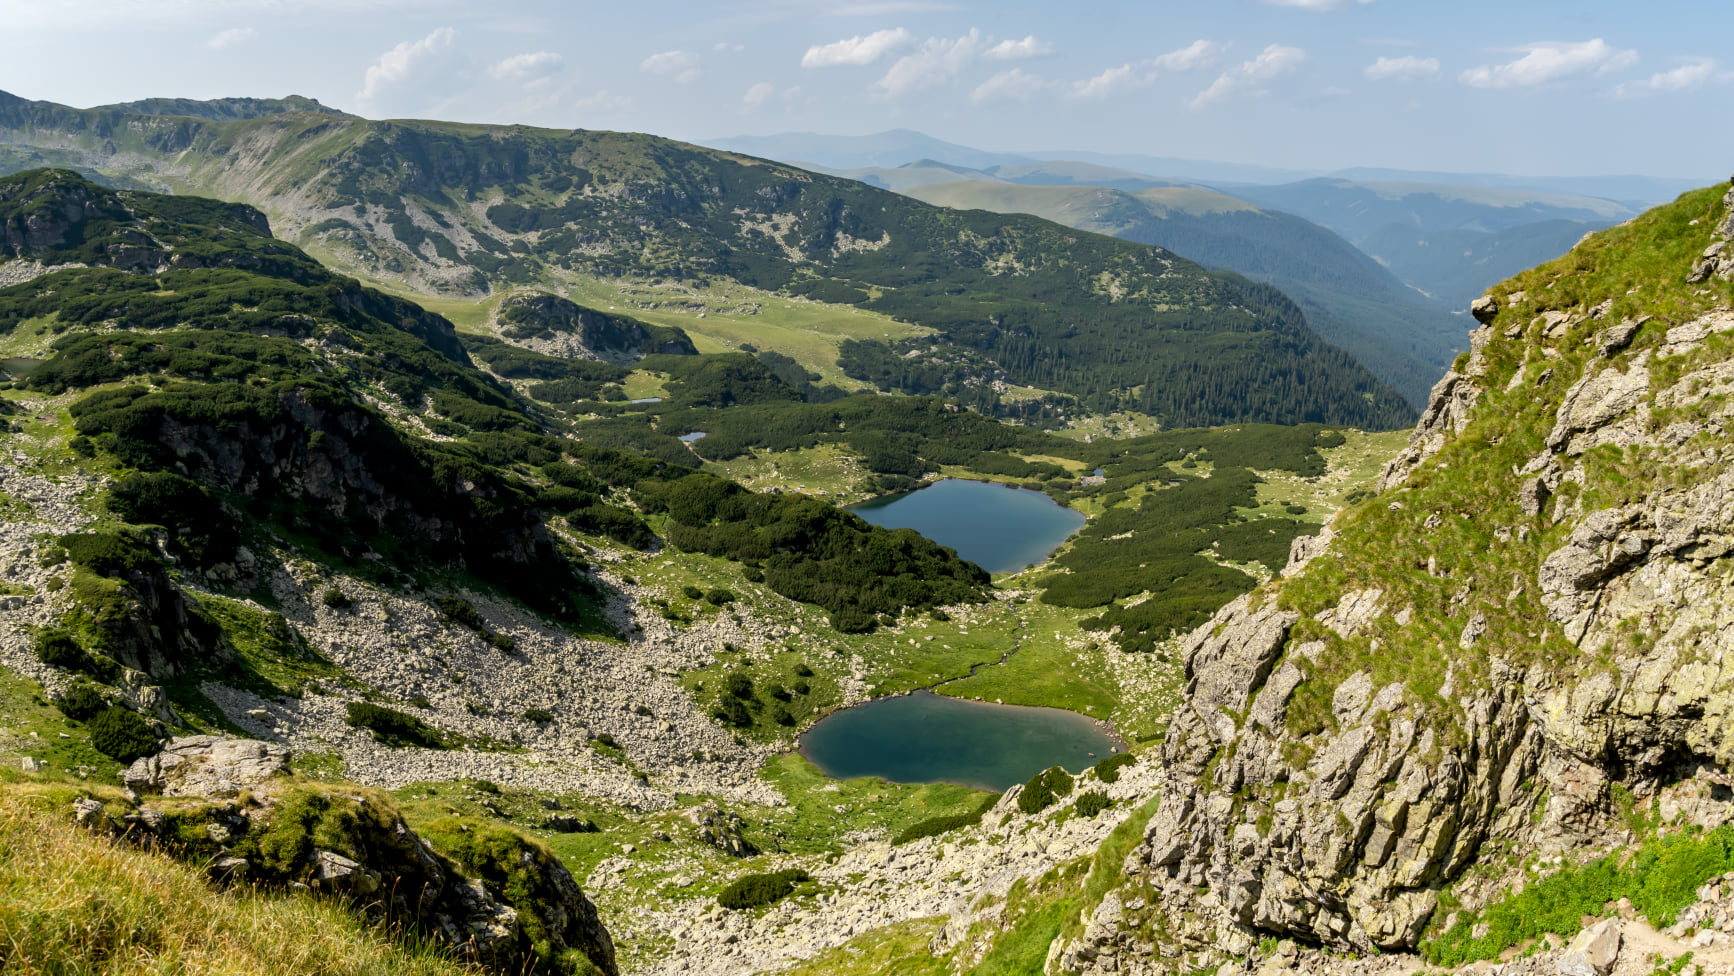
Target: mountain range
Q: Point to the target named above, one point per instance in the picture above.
(1349, 298)
(343, 633)
(900, 147)
(460, 210)
(1448, 235)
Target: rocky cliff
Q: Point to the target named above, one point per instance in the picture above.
(1522, 633)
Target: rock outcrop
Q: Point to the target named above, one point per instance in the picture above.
(498, 899)
(1717, 260)
(554, 326)
(1531, 614)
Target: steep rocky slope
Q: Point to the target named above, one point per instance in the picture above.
(1525, 632)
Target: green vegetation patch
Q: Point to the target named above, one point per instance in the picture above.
(755, 890)
(122, 735)
(1108, 770)
(1660, 877)
(1044, 790)
(935, 826)
(394, 727)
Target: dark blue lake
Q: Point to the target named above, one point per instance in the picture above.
(999, 528)
(929, 738)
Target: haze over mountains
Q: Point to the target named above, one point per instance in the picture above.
(899, 147)
(1409, 251)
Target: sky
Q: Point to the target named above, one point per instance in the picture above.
(1527, 87)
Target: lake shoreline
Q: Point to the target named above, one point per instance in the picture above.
(1117, 742)
(1004, 532)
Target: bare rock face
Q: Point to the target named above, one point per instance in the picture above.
(1447, 413)
(1576, 631)
(1718, 259)
(208, 766)
(1372, 821)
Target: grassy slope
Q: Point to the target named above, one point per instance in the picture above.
(75, 903)
(1639, 266)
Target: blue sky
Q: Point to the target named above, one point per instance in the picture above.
(1534, 88)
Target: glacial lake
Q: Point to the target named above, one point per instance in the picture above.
(999, 528)
(929, 738)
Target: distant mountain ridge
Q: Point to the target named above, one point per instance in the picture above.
(442, 207)
(898, 147)
(1348, 297)
(1448, 235)
(223, 109)
(1450, 241)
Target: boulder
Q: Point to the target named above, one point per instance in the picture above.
(207, 766)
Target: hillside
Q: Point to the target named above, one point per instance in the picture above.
(447, 208)
(249, 497)
(1451, 242)
(1498, 654)
(1482, 717)
(1349, 299)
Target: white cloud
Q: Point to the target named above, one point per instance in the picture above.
(232, 37)
(763, 93)
(601, 102)
(1013, 85)
(1402, 69)
(1245, 77)
(857, 50)
(724, 47)
(1029, 47)
(526, 67)
(1191, 57)
(1317, 5)
(1110, 82)
(1698, 73)
(408, 59)
(683, 65)
(759, 94)
(1546, 61)
(938, 59)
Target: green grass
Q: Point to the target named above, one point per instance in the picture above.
(1660, 877)
(901, 949)
(808, 332)
(78, 904)
(31, 726)
(822, 811)
(1352, 467)
(1034, 915)
(1046, 670)
(272, 658)
(828, 469)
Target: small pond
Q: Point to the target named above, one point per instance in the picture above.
(695, 435)
(999, 528)
(929, 738)
(647, 400)
(19, 367)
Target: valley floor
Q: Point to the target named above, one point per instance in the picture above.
(627, 742)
